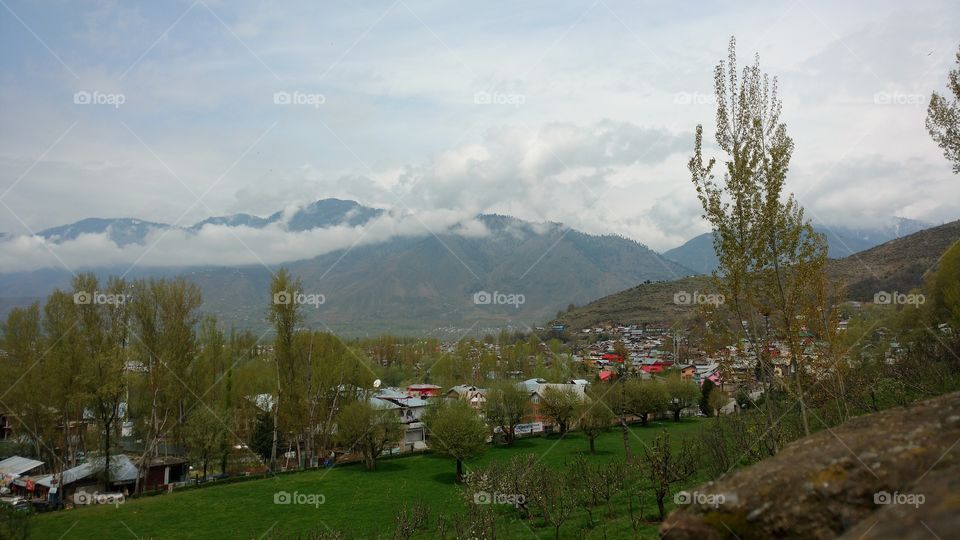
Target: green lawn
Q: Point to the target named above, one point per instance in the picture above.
(356, 501)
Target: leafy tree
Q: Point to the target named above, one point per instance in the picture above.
(705, 390)
(262, 438)
(662, 466)
(555, 498)
(455, 430)
(943, 118)
(645, 398)
(681, 394)
(561, 406)
(284, 314)
(204, 435)
(717, 399)
(944, 289)
(595, 417)
(368, 429)
(769, 253)
(507, 405)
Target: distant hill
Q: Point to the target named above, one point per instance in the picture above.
(409, 284)
(895, 266)
(698, 254)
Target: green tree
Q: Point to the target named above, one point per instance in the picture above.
(455, 430)
(769, 253)
(560, 405)
(943, 118)
(645, 398)
(283, 314)
(507, 405)
(204, 435)
(595, 417)
(681, 394)
(943, 286)
(368, 429)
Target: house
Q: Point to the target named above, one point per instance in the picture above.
(80, 479)
(423, 391)
(476, 397)
(687, 372)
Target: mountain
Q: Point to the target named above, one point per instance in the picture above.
(409, 284)
(697, 253)
(898, 265)
(122, 231)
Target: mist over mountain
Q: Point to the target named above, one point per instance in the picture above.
(409, 282)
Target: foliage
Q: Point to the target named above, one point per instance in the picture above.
(943, 118)
(368, 429)
(457, 431)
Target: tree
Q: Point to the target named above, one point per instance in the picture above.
(561, 406)
(262, 438)
(769, 253)
(705, 389)
(595, 417)
(717, 399)
(368, 429)
(455, 430)
(103, 328)
(507, 405)
(620, 402)
(283, 313)
(645, 398)
(944, 289)
(681, 394)
(204, 435)
(555, 498)
(943, 118)
(663, 467)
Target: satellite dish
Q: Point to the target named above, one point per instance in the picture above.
(376, 383)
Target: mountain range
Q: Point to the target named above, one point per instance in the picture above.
(411, 283)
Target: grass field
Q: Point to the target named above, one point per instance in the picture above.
(358, 502)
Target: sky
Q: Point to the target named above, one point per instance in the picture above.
(574, 112)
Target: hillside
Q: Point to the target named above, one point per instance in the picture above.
(897, 265)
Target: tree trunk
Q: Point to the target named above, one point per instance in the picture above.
(660, 506)
(459, 471)
(676, 415)
(593, 449)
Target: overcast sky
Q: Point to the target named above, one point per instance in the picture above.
(577, 112)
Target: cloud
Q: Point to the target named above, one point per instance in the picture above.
(221, 245)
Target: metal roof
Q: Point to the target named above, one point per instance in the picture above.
(17, 465)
